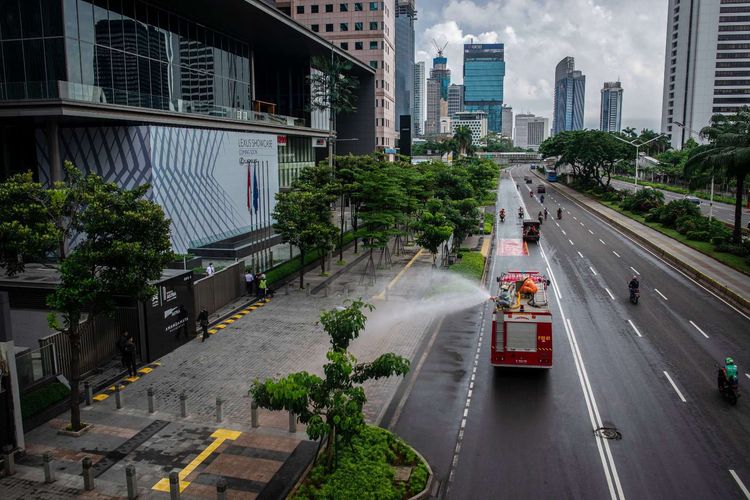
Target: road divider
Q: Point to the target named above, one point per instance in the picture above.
(698, 328)
(674, 386)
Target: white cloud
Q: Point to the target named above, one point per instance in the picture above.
(609, 39)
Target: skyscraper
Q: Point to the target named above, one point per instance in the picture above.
(455, 99)
(507, 121)
(418, 100)
(706, 65)
(441, 73)
(531, 131)
(367, 31)
(406, 14)
(484, 73)
(437, 92)
(610, 117)
(432, 122)
(570, 92)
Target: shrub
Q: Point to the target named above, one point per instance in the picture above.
(612, 196)
(669, 213)
(688, 223)
(418, 479)
(42, 398)
(642, 201)
(698, 235)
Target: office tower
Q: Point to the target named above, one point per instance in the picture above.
(484, 73)
(366, 30)
(570, 93)
(476, 121)
(610, 116)
(437, 92)
(706, 65)
(531, 131)
(441, 73)
(406, 14)
(455, 99)
(418, 100)
(507, 122)
(432, 123)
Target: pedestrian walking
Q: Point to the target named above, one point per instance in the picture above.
(203, 321)
(263, 287)
(121, 347)
(129, 357)
(210, 269)
(249, 279)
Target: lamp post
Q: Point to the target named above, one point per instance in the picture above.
(711, 198)
(637, 151)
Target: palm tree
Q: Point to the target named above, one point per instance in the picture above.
(728, 153)
(462, 136)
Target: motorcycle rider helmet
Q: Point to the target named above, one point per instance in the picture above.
(729, 361)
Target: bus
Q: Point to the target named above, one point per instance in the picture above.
(551, 174)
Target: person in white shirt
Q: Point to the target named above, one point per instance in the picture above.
(210, 269)
(249, 278)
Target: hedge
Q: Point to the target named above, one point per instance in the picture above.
(40, 399)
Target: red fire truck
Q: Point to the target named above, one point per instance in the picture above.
(522, 323)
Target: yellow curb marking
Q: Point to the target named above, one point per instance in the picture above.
(157, 363)
(213, 330)
(221, 327)
(113, 388)
(245, 311)
(237, 316)
(145, 370)
(485, 247)
(229, 321)
(398, 277)
(220, 435)
(100, 397)
(132, 379)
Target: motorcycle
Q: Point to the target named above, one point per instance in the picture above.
(729, 390)
(559, 214)
(502, 216)
(541, 199)
(520, 214)
(635, 294)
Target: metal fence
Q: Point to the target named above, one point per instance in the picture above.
(214, 292)
(35, 366)
(98, 340)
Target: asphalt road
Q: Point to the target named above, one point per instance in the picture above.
(645, 370)
(722, 211)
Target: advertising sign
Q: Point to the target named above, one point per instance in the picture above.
(170, 314)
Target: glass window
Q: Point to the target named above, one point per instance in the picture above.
(71, 18)
(10, 20)
(36, 81)
(359, 45)
(54, 55)
(87, 64)
(357, 6)
(86, 21)
(315, 27)
(344, 27)
(373, 25)
(374, 64)
(300, 9)
(329, 28)
(314, 9)
(31, 19)
(343, 7)
(358, 26)
(329, 7)
(13, 56)
(373, 45)
(345, 45)
(373, 5)
(73, 54)
(101, 22)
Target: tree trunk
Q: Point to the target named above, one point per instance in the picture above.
(737, 232)
(341, 232)
(355, 227)
(74, 337)
(301, 268)
(330, 444)
(323, 255)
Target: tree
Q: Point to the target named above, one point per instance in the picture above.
(331, 406)
(122, 244)
(433, 228)
(462, 137)
(332, 90)
(727, 152)
(319, 181)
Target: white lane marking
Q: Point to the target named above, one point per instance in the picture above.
(580, 254)
(558, 225)
(554, 281)
(697, 328)
(675, 387)
(634, 270)
(576, 218)
(602, 242)
(592, 270)
(610, 294)
(571, 241)
(635, 329)
(563, 232)
(618, 255)
(662, 295)
(740, 483)
(590, 231)
(581, 223)
(747, 375)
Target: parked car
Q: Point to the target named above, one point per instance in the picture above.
(541, 189)
(693, 199)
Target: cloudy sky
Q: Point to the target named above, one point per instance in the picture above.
(609, 39)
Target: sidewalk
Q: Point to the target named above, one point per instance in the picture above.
(733, 284)
(268, 340)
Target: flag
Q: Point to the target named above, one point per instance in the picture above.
(249, 186)
(256, 191)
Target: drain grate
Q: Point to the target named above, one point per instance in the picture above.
(608, 433)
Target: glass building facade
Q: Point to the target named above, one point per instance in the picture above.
(405, 17)
(570, 93)
(484, 75)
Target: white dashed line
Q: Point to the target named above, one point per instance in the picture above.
(592, 270)
(634, 270)
(602, 242)
(636, 330)
(610, 294)
(590, 231)
(563, 232)
(740, 483)
(576, 218)
(580, 254)
(581, 223)
(618, 255)
(747, 375)
(571, 241)
(662, 295)
(697, 328)
(675, 388)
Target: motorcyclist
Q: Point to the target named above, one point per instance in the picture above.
(634, 284)
(559, 213)
(502, 215)
(545, 213)
(520, 212)
(541, 199)
(540, 217)
(531, 194)
(730, 371)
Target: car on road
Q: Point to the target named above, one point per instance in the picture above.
(693, 199)
(528, 180)
(541, 189)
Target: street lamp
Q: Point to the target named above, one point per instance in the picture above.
(637, 151)
(711, 199)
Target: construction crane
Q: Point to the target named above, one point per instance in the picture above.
(439, 48)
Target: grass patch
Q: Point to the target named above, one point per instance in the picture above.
(40, 399)
(489, 221)
(366, 470)
(679, 190)
(470, 266)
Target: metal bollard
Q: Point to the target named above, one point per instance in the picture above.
(307, 288)
(174, 486)
(88, 393)
(88, 475)
(10, 459)
(286, 288)
(130, 480)
(346, 291)
(292, 422)
(221, 489)
(183, 404)
(385, 293)
(118, 398)
(219, 412)
(49, 474)
(254, 414)
(150, 394)
(326, 291)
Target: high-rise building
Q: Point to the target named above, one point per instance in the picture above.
(432, 122)
(476, 121)
(706, 65)
(610, 116)
(406, 14)
(507, 122)
(367, 31)
(531, 131)
(484, 74)
(418, 100)
(570, 93)
(441, 73)
(437, 93)
(455, 99)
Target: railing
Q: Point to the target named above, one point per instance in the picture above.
(104, 95)
(35, 366)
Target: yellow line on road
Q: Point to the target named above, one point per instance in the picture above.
(486, 247)
(398, 277)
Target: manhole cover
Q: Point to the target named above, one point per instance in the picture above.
(608, 433)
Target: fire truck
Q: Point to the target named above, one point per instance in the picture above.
(522, 322)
